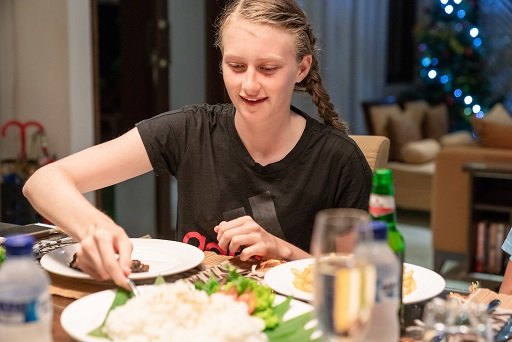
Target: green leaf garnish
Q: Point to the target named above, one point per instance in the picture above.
(159, 280)
(293, 330)
(210, 286)
(120, 298)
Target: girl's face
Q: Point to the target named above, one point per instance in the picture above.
(260, 68)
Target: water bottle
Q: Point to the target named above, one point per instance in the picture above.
(25, 303)
(384, 323)
(382, 208)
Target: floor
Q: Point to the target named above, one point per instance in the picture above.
(415, 228)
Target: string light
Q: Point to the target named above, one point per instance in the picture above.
(450, 63)
(468, 99)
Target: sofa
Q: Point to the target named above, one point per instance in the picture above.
(451, 189)
(417, 132)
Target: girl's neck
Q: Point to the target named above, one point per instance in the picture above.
(271, 140)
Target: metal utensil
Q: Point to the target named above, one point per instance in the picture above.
(133, 287)
(505, 332)
(493, 304)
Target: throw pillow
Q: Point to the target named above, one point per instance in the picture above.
(402, 130)
(419, 152)
(435, 124)
(416, 111)
(498, 114)
(379, 116)
(458, 138)
(493, 134)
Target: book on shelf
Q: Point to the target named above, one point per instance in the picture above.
(480, 255)
(489, 257)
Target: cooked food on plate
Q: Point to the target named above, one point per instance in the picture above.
(233, 309)
(137, 266)
(408, 282)
(303, 279)
(179, 312)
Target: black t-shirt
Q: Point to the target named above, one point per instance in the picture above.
(218, 180)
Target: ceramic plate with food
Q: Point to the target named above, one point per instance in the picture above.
(295, 279)
(154, 257)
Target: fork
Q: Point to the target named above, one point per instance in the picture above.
(133, 287)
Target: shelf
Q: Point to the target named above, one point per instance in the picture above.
(486, 276)
(490, 216)
(492, 207)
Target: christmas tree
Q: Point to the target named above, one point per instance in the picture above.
(450, 61)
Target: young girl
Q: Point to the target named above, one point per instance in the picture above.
(251, 175)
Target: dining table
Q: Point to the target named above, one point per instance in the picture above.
(64, 290)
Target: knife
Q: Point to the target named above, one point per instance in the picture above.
(505, 332)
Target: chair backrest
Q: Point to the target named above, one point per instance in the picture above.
(375, 148)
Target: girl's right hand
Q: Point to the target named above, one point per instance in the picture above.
(105, 253)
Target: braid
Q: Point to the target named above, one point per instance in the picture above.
(312, 84)
(321, 99)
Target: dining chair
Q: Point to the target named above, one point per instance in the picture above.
(375, 148)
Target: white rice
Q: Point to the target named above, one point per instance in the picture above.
(179, 312)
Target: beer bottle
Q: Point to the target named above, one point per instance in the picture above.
(382, 208)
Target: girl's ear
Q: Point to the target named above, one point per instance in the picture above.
(304, 67)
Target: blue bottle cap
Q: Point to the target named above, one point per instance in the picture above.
(19, 244)
(380, 230)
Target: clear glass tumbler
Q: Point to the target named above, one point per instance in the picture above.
(344, 282)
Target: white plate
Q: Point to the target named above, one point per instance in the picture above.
(428, 284)
(164, 257)
(87, 313)
(280, 278)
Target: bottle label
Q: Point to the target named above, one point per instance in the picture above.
(386, 289)
(381, 205)
(34, 310)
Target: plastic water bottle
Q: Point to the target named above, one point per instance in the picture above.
(384, 325)
(25, 303)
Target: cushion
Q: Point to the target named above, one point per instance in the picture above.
(435, 123)
(498, 114)
(458, 138)
(380, 115)
(492, 134)
(416, 111)
(418, 152)
(402, 130)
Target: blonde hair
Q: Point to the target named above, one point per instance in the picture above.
(287, 15)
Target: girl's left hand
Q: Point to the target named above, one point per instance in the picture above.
(256, 241)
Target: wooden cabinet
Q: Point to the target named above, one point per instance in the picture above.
(490, 218)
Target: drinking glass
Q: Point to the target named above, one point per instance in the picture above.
(453, 321)
(344, 282)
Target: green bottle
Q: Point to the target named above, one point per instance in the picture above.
(382, 208)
